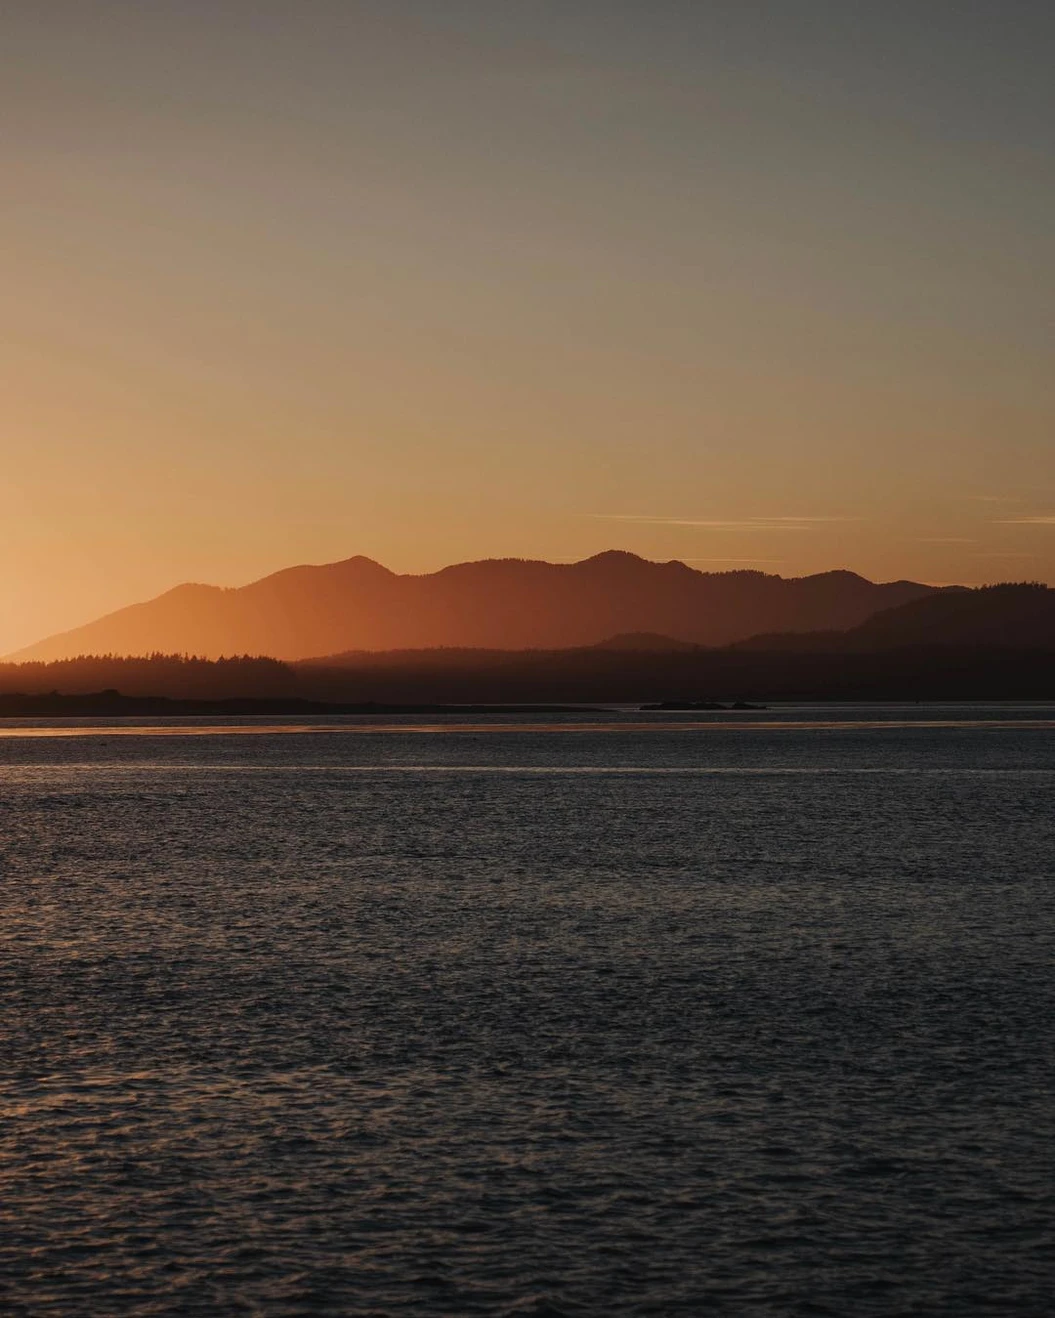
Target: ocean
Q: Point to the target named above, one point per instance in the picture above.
(577, 1014)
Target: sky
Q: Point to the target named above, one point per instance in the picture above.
(751, 285)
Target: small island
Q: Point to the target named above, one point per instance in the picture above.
(700, 705)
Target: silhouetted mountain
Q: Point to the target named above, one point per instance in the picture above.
(497, 603)
(643, 641)
(1007, 616)
(884, 659)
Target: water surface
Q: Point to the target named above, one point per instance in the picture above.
(748, 1015)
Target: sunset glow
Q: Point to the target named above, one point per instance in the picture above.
(747, 286)
(527, 727)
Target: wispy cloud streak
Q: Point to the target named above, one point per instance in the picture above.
(780, 523)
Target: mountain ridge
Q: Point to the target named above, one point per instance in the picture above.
(1005, 615)
(995, 643)
(309, 610)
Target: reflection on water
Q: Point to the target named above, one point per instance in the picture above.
(452, 726)
(758, 1022)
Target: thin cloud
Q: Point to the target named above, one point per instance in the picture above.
(942, 540)
(1026, 494)
(732, 560)
(1047, 520)
(779, 523)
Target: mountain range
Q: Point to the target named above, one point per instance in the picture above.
(990, 643)
(500, 604)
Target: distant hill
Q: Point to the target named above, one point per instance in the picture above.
(1007, 616)
(994, 644)
(648, 641)
(510, 604)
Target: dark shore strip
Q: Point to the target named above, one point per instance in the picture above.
(111, 704)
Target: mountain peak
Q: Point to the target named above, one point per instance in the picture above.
(615, 557)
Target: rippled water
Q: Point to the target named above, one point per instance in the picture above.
(675, 1019)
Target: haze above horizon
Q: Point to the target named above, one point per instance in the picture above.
(759, 286)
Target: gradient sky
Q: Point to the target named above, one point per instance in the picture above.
(746, 284)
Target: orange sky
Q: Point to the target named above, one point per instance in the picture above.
(430, 283)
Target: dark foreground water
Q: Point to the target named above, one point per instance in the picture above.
(569, 1019)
